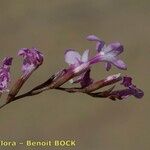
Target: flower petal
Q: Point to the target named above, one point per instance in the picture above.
(138, 93)
(99, 43)
(119, 64)
(125, 93)
(93, 38)
(7, 61)
(72, 57)
(115, 48)
(127, 81)
(99, 46)
(85, 56)
(108, 66)
(86, 80)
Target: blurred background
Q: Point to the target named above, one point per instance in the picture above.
(53, 26)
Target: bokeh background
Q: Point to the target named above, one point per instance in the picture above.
(53, 26)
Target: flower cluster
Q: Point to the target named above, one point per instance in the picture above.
(79, 70)
(105, 53)
(32, 59)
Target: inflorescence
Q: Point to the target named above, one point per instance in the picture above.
(78, 71)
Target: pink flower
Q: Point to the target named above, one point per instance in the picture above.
(32, 59)
(107, 53)
(130, 90)
(5, 74)
(80, 65)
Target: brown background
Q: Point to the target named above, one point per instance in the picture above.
(53, 26)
